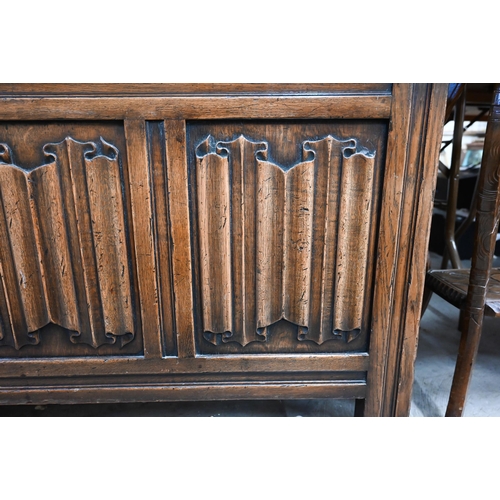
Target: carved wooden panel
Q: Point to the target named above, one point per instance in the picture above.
(65, 256)
(213, 220)
(284, 245)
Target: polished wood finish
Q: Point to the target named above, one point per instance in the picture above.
(402, 246)
(196, 107)
(72, 205)
(214, 241)
(179, 204)
(162, 89)
(306, 214)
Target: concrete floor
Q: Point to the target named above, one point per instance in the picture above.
(436, 356)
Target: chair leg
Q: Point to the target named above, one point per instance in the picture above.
(451, 252)
(467, 352)
(461, 320)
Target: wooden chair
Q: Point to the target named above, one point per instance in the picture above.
(476, 291)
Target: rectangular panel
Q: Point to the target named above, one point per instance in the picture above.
(284, 218)
(69, 284)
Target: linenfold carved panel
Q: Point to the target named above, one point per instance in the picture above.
(283, 243)
(69, 213)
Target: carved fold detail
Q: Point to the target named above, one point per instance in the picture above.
(63, 251)
(279, 243)
(269, 236)
(215, 247)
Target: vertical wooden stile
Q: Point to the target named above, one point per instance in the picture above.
(175, 132)
(142, 223)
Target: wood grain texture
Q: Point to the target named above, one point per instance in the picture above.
(403, 362)
(388, 242)
(157, 157)
(209, 364)
(181, 392)
(108, 228)
(269, 244)
(292, 219)
(195, 107)
(274, 227)
(352, 245)
(215, 249)
(142, 221)
(175, 132)
(27, 141)
(144, 89)
(175, 379)
(21, 277)
(64, 231)
(59, 278)
(414, 140)
(421, 95)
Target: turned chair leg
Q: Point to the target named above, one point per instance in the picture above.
(467, 352)
(461, 320)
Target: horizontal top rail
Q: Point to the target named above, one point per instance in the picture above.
(197, 107)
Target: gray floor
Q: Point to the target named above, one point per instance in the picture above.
(437, 350)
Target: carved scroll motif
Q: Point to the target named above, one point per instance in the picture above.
(63, 252)
(280, 243)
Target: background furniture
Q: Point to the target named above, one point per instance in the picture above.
(476, 291)
(162, 242)
(452, 233)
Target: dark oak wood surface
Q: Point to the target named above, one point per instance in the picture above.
(162, 89)
(163, 242)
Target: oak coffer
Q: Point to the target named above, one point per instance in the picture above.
(182, 242)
